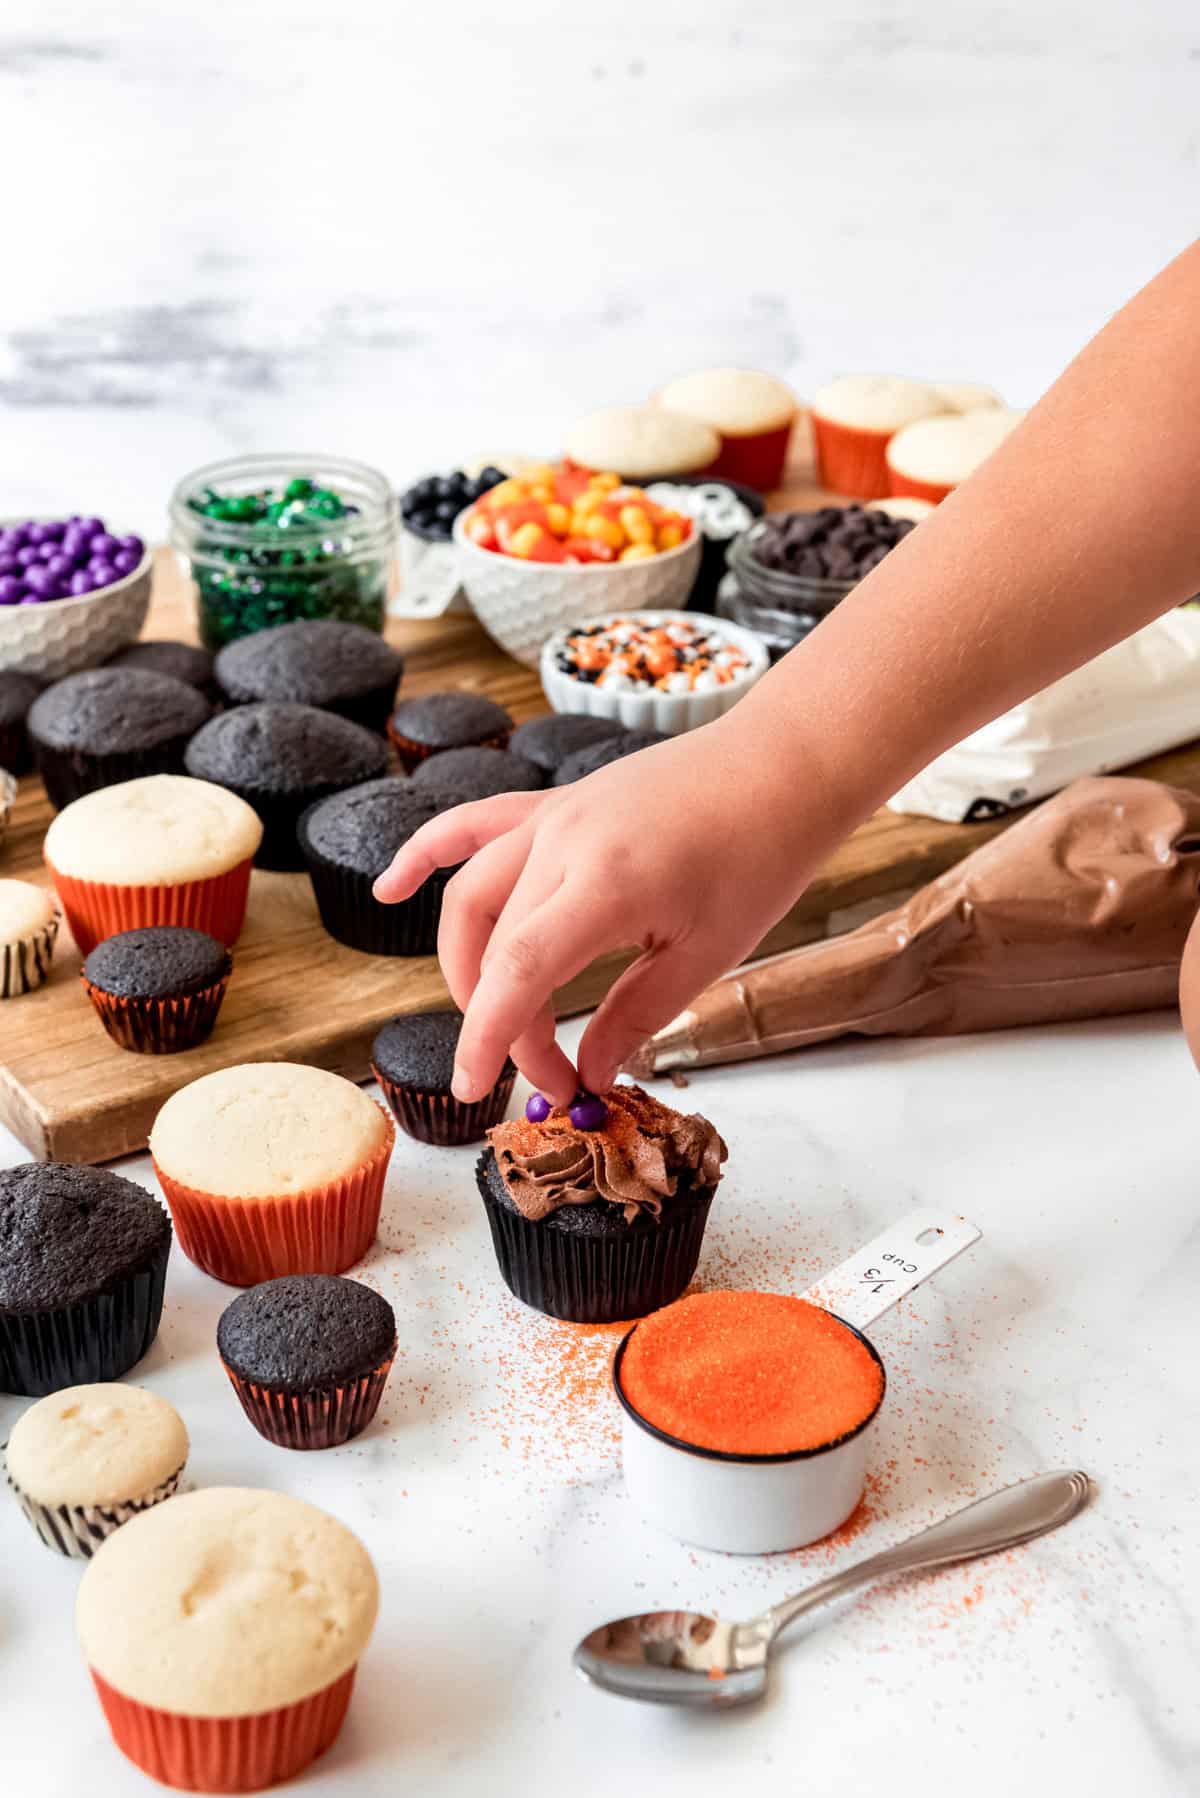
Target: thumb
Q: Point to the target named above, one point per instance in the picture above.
(647, 996)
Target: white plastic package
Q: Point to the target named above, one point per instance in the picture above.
(1138, 698)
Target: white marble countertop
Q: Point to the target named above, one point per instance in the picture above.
(489, 1491)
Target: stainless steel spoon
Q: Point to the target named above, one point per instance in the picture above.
(684, 1657)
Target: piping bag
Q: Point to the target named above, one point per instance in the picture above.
(1079, 910)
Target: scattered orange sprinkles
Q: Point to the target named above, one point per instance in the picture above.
(750, 1373)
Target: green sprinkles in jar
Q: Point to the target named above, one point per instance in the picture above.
(284, 546)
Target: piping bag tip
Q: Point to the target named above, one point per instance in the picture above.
(674, 1046)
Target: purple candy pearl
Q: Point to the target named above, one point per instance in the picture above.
(105, 544)
(133, 546)
(27, 554)
(9, 564)
(90, 527)
(81, 583)
(61, 567)
(538, 1108)
(12, 591)
(16, 536)
(103, 573)
(587, 1112)
(124, 563)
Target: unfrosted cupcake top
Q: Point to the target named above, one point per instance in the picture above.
(450, 720)
(269, 1127)
(226, 1603)
(24, 910)
(638, 441)
(107, 710)
(735, 401)
(182, 661)
(548, 741)
(96, 1445)
(479, 772)
(157, 961)
(306, 1330)
(362, 828)
(69, 1232)
(611, 749)
(944, 451)
(312, 660)
(279, 747)
(967, 396)
(157, 831)
(877, 402)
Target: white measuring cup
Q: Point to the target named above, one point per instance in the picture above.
(759, 1504)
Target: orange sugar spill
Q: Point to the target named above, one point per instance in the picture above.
(750, 1373)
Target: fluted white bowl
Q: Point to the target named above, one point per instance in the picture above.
(671, 713)
(522, 603)
(60, 636)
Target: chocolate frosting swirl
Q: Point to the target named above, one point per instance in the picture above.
(635, 1161)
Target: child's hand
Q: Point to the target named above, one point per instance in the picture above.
(669, 850)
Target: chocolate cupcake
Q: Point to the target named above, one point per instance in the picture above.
(281, 758)
(182, 661)
(457, 720)
(83, 1261)
(108, 725)
(413, 1060)
(337, 667)
(349, 839)
(597, 1213)
(159, 989)
(479, 773)
(17, 693)
(548, 741)
(308, 1356)
(599, 755)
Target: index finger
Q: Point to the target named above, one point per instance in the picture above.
(450, 839)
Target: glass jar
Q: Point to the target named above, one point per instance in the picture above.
(261, 571)
(783, 608)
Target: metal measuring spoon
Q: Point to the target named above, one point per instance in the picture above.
(684, 1657)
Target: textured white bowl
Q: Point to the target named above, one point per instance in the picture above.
(61, 636)
(521, 603)
(672, 713)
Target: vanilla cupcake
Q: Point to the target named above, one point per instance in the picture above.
(272, 1168)
(751, 412)
(85, 1460)
(643, 443)
(904, 505)
(854, 419)
(163, 850)
(222, 1632)
(930, 459)
(29, 921)
(967, 396)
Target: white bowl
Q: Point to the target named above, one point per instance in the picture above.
(671, 713)
(522, 603)
(60, 636)
(741, 1504)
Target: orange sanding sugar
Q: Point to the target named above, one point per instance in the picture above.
(750, 1373)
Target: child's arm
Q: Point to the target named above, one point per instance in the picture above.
(1083, 526)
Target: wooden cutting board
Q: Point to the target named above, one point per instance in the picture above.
(70, 1094)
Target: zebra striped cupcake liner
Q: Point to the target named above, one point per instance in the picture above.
(78, 1530)
(26, 964)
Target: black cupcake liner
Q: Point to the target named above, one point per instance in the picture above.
(97, 1338)
(15, 753)
(159, 1026)
(438, 1117)
(596, 1279)
(323, 1418)
(70, 773)
(351, 913)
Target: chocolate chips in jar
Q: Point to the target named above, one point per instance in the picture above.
(835, 543)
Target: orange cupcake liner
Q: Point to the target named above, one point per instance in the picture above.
(851, 461)
(95, 909)
(412, 754)
(318, 1230)
(225, 1754)
(756, 460)
(909, 487)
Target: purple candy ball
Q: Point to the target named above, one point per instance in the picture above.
(587, 1112)
(103, 573)
(90, 527)
(27, 554)
(133, 546)
(538, 1108)
(124, 563)
(9, 564)
(30, 599)
(61, 567)
(47, 550)
(16, 536)
(12, 591)
(105, 544)
(49, 532)
(81, 583)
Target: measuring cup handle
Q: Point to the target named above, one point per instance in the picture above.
(1003, 1520)
(892, 1265)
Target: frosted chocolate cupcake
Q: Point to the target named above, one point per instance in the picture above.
(479, 773)
(111, 724)
(29, 921)
(349, 839)
(17, 693)
(548, 741)
(157, 990)
(83, 1262)
(308, 1357)
(164, 850)
(455, 720)
(413, 1060)
(281, 758)
(337, 667)
(85, 1460)
(182, 661)
(597, 1213)
(222, 1632)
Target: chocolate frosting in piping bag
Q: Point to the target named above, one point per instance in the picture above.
(1078, 910)
(635, 1161)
